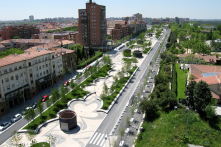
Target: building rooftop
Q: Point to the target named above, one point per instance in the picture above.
(11, 59)
(198, 70)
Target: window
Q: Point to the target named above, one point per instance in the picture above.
(39, 67)
(30, 75)
(29, 63)
(39, 60)
(42, 59)
(20, 67)
(47, 71)
(37, 75)
(22, 81)
(52, 56)
(13, 85)
(36, 68)
(44, 72)
(10, 69)
(8, 87)
(46, 58)
(6, 80)
(32, 82)
(40, 74)
(35, 61)
(12, 77)
(46, 65)
(43, 66)
(21, 74)
(5, 71)
(16, 76)
(0, 73)
(17, 83)
(58, 61)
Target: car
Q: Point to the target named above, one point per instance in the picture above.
(26, 109)
(74, 78)
(66, 83)
(88, 67)
(34, 105)
(16, 118)
(44, 98)
(4, 125)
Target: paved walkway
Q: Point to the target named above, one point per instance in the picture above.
(87, 118)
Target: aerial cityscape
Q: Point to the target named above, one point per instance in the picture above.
(109, 74)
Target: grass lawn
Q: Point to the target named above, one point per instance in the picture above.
(134, 60)
(168, 130)
(181, 81)
(108, 100)
(41, 144)
(77, 92)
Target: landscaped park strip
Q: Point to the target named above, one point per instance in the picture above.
(76, 93)
(160, 48)
(107, 101)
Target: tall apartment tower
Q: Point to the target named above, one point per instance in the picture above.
(92, 25)
(31, 18)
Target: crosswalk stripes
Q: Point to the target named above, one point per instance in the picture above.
(98, 139)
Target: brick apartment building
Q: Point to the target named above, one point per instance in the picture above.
(92, 26)
(24, 32)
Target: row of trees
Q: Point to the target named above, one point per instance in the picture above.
(162, 97)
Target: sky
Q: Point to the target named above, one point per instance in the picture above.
(193, 9)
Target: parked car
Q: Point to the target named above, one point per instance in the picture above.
(4, 125)
(16, 118)
(44, 98)
(66, 83)
(74, 78)
(26, 109)
(34, 105)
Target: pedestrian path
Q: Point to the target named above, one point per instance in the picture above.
(98, 139)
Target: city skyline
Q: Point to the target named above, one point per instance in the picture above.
(155, 9)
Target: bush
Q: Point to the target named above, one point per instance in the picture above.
(127, 53)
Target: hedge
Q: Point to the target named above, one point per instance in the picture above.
(82, 65)
(127, 53)
(174, 78)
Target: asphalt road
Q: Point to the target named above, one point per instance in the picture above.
(105, 128)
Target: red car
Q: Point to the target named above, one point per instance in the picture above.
(88, 67)
(44, 98)
(66, 83)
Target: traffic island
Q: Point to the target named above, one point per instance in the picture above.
(68, 120)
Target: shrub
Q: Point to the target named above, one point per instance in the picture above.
(146, 50)
(127, 53)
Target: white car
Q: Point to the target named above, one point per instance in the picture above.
(4, 126)
(16, 118)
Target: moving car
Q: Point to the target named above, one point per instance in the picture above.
(66, 83)
(44, 98)
(16, 118)
(4, 125)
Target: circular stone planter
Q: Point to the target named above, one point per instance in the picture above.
(68, 120)
(127, 52)
(137, 53)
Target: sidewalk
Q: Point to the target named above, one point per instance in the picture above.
(20, 108)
